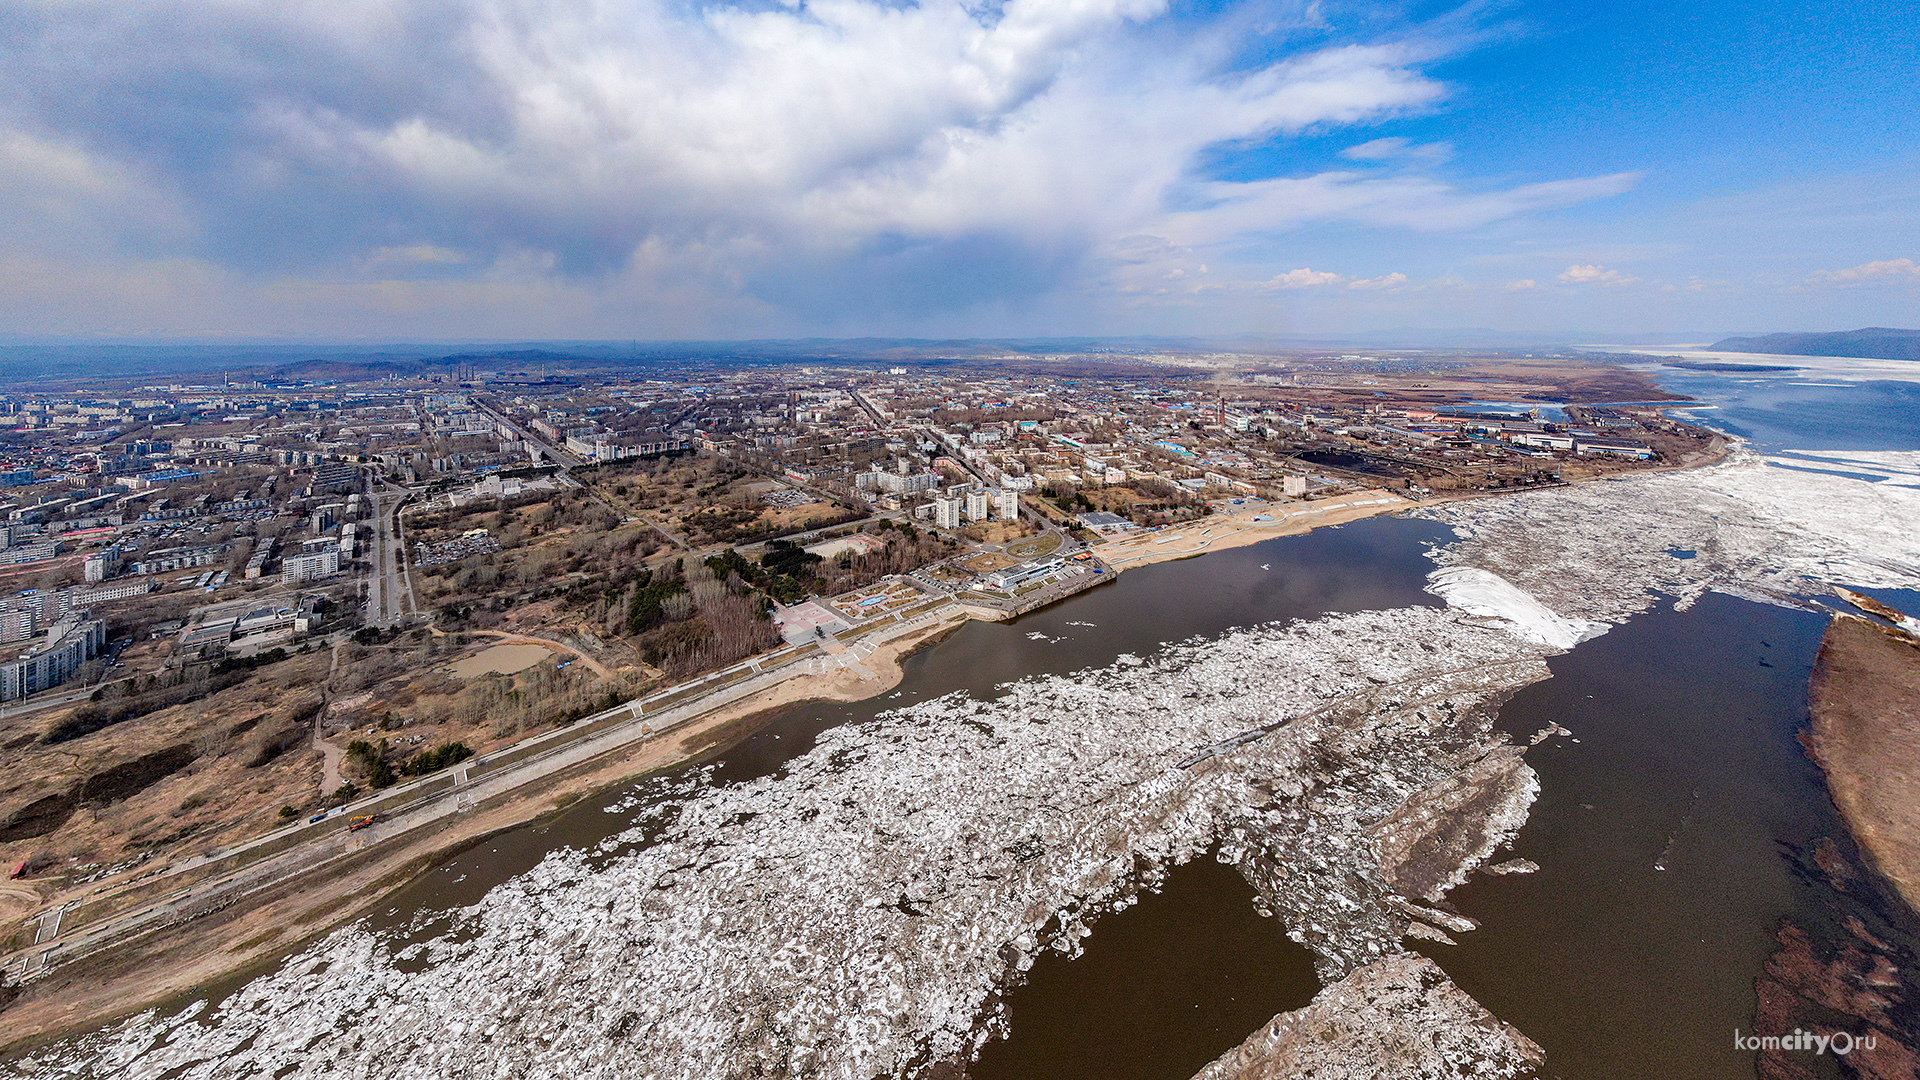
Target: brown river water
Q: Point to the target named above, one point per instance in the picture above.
(1673, 832)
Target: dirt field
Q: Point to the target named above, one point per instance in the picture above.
(987, 562)
(1865, 698)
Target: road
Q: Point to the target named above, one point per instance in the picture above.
(389, 585)
(960, 458)
(47, 700)
(566, 460)
(55, 698)
(557, 454)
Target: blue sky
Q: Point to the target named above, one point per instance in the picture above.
(671, 168)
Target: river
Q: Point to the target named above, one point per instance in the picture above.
(1674, 830)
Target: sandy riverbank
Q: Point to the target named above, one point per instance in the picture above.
(204, 952)
(1220, 532)
(214, 948)
(1865, 699)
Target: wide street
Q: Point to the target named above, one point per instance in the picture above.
(389, 586)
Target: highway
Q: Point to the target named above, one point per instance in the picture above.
(47, 700)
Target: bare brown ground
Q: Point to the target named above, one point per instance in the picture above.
(599, 668)
(1223, 531)
(1484, 379)
(186, 959)
(1866, 735)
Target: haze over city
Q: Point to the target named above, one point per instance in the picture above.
(642, 169)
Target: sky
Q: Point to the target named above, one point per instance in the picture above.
(669, 169)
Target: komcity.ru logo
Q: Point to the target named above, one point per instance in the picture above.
(1841, 1043)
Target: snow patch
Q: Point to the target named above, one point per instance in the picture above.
(1482, 592)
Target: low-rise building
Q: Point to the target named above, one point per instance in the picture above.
(1025, 573)
(1609, 446)
(180, 558)
(1544, 441)
(26, 553)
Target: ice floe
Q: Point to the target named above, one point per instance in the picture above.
(1601, 551)
(1482, 592)
(858, 914)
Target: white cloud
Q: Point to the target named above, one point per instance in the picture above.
(823, 143)
(1397, 148)
(1522, 285)
(806, 163)
(1595, 275)
(412, 255)
(1303, 278)
(57, 192)
(1309, 278)
(1390, 281)
(1238, 210)
(1871, 271)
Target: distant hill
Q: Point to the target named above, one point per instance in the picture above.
(1874, 342)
